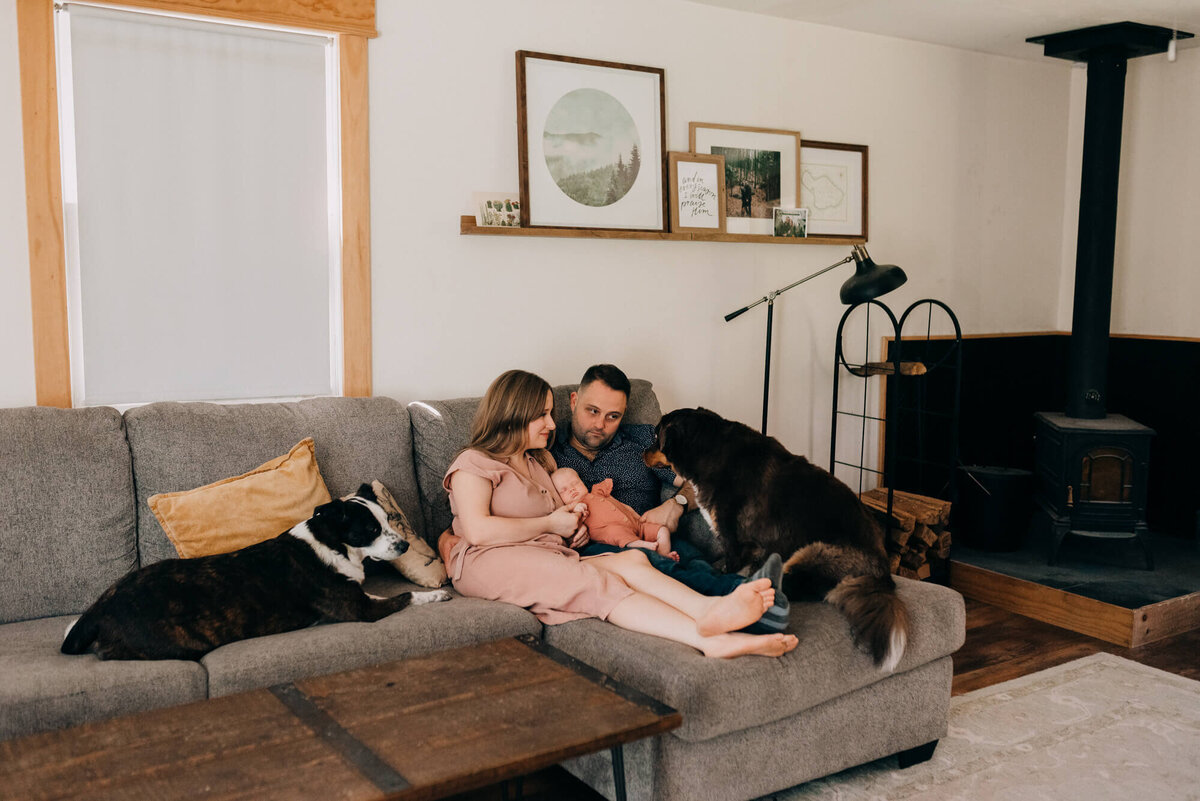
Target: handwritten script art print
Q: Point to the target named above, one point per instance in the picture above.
(698, 196)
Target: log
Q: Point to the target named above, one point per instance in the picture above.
(922, 508)
(899, 536)
(943, 545)
(876, 500)
(919, 574)
(930, 511)
(887, 368)
(925, 534)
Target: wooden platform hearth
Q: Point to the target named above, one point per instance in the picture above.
(1116, 624)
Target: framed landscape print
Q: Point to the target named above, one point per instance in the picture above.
(833, 187)
(591, 143)
(697, 184)
(762, 172)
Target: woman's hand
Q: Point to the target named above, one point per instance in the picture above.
(565, 521)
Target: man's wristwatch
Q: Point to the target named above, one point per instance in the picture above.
(681, 500)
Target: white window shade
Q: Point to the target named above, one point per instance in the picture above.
(201, 192)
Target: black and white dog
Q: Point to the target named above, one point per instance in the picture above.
(184, 608)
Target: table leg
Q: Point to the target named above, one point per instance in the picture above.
(618, 762)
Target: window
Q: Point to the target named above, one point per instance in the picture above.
(189, 251)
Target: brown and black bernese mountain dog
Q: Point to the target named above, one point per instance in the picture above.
(760, 499)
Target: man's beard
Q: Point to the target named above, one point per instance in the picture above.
(589, 438)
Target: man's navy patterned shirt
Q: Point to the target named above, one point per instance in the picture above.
(621, 460)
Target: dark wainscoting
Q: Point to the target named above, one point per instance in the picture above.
(1006, 378)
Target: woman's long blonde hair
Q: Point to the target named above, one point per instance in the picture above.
(514, 400)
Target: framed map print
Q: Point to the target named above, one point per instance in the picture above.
(833, 187)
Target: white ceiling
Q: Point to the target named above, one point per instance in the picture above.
(987, 26)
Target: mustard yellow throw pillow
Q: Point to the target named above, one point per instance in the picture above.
(246, 509)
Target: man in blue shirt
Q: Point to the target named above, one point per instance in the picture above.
(599, 447)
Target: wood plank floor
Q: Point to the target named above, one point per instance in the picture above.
(1000, 645)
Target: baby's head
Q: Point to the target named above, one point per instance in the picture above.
(569, 485)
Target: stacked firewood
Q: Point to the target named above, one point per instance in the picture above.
(918, 542)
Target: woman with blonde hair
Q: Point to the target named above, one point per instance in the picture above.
(518, 538)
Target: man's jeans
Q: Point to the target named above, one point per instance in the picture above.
(691, 570)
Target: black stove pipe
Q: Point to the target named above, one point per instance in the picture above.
(1106, 49)
(1087, 370)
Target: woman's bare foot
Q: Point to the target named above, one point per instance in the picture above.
(738, 609)
(738, 644)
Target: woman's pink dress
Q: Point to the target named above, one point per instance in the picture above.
(542, 575)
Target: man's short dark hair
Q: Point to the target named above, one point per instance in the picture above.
(610, 375)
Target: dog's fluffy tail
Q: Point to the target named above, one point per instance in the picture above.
(877, 616)
(80, 635)
(859, 585)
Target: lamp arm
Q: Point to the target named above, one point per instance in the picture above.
(777, 292)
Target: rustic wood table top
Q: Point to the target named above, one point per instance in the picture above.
(419, 728)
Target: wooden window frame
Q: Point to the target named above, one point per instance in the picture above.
(352, 21)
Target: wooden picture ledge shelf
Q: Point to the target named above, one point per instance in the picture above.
(468, 226)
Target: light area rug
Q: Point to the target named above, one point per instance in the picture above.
(1099, 728)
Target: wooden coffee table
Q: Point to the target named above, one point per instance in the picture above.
(418, 728)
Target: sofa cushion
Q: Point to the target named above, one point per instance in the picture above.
(180, 446)
(244, 510)
(718, 696)
(441, 429)
(45, 689)
(334, 647)
(66, 489)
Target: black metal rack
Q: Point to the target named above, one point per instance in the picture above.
(865, 369)
(931, 369)
(928, 401)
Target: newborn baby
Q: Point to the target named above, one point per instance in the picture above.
(610, 521)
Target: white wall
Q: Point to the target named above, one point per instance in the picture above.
(966, 193)
(1156, 283)
(16, 322)
(968, 177)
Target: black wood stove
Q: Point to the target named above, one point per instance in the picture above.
(1091, 477)
(1091, 467)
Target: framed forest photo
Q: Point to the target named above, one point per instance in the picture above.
(833, 187)
(762, 172)
(591, 141)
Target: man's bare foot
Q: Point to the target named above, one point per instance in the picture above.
(738, 609)
(738, 644)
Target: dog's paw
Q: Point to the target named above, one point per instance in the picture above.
(433, 596)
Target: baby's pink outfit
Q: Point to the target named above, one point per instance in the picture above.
(612, 522)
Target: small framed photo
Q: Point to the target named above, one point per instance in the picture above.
(791, 222)
(762, 172)
(697, 184)
(833, 187)
(591, 143)
(499, 209)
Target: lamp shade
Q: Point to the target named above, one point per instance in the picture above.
(870, 280)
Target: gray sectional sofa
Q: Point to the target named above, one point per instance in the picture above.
(73, 490)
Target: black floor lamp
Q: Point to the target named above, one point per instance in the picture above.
(870, 280)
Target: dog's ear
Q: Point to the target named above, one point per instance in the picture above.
(367, 492)
(333, 512)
